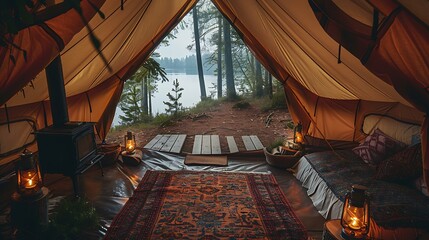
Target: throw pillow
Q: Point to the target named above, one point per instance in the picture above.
(402, 167)
(416, 139)
(377, 147)
(421, 186)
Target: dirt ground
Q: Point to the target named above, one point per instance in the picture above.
(223, 120)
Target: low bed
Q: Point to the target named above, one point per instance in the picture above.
(399, 210)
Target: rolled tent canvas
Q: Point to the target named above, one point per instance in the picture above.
(323, 86)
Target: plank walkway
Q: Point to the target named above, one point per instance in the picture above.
(206, 144)
(167, 143)
(203, 144)
(210, 144)
(252, 142)
(231, 144)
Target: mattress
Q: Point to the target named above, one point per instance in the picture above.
(397, 212)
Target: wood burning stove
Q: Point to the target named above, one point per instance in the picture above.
(69, 150)
(65, 147)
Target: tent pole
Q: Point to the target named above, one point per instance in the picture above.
(57, 92)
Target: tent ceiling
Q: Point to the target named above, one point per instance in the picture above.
(418, 8)
(123, 34)
(287, 29)
(290, 33)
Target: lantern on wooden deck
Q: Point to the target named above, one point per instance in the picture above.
(355, 217)
(130, 142)
(28, 175)
(297, 134)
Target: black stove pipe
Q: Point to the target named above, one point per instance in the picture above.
(57, 92)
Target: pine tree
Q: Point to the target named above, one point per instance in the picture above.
(174, 105)
(136, 96)
(129, 104)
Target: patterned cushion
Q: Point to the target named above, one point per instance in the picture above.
(421, 186)
(377, 147)
(404, 166)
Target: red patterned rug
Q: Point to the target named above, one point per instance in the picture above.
(206, 205)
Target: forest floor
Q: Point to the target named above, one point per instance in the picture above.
(224, 119)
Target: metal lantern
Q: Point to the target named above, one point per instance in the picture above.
(130, 142)
(28, 175)
(297, 134)
(355, 217)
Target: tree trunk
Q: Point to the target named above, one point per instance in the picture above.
(219, 59)
(144, 105)
(269, 87)
(149, 96)
(198, 52)
(258, 77)
(230, 85)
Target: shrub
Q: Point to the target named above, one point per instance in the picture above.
(276, 143)
(71, 219)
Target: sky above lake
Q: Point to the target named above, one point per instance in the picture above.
(177, 47)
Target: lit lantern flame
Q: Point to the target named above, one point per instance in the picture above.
(28, 175)
(298, 137)
(297, 134)
(30, 180)
(130, 146)
(130, 142)
(355, 218)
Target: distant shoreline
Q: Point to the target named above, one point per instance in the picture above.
(190, 96)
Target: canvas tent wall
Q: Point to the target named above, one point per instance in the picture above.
(128, 37)
(284, 35)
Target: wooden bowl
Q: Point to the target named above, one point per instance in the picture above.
(287, 160)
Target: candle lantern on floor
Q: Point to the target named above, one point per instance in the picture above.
(355, 217)
(28, 175)
(130, 142)
(297, 134)
(29, 204)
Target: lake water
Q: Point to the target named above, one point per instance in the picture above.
(190, 94)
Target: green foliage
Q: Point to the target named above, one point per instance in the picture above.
(241, 105)
(134, 127)
(290, 124)
(174, 106)
(162, 119)
(279, 99)
(129, 104)
(165, 119)
(72, 218)
(137, 90)
(276, 143)
(205, 105)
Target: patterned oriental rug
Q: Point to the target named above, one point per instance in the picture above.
(206, 205)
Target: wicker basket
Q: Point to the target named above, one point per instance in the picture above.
(287, 160)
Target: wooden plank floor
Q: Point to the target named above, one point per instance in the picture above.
(203, 144)
(252, 142)
(232, 145)
(206, 144)
(210, 144)
(167, 143)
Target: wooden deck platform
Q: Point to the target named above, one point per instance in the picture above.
(203, 144)
(167, 143)
(252, 142)
(206, 144)
(210, 144)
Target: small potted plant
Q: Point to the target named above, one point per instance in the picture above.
(277, 155)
